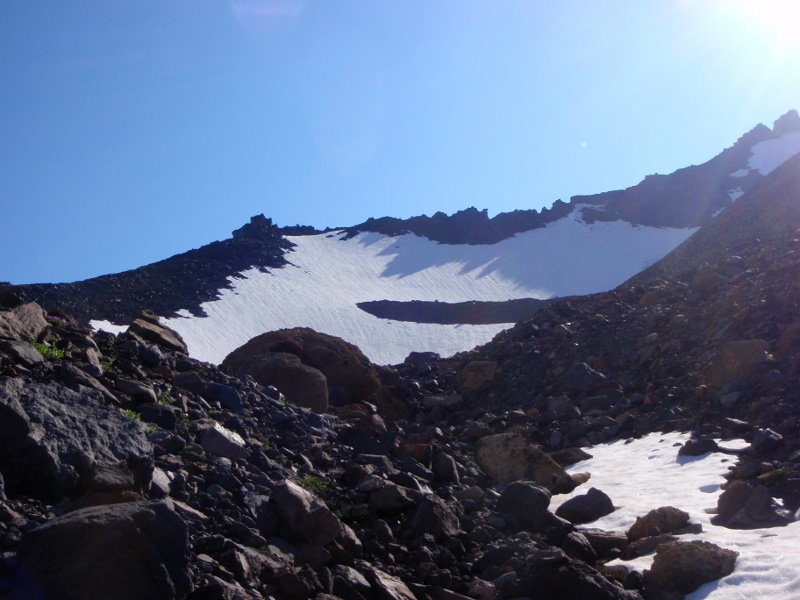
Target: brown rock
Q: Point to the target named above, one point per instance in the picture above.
(685, 566)
(148, 327)
(508, 457)
(23, 322)
(661, 520)
(301, 384)
(350, 375)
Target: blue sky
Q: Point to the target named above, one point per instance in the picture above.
(132, 131)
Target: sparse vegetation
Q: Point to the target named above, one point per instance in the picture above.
(314, 484)
(47, 350)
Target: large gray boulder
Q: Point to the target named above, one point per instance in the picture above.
(52, 438)
(133, 551)
(304, 517)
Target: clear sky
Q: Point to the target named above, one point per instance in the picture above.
(132, 131)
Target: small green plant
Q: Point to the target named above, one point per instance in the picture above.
(314, 484)
(131, 414)
(152, 429)
(164, 399)
(47, 350)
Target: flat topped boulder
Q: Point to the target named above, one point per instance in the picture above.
(509, 457)
(148, 327)
(351, 377)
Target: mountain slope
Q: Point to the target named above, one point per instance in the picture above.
(221, 295)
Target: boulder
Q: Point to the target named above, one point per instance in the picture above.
(121, 551)
(221, 441)
(527, 502)
(743, 506)
(684, 566)
(51, 439)
(508, 457)
(147, 327)
(387, 587)
(583, 378)
(23, 322)
(350, 375)
(586, 508)
(21, 353)
(305, 517)
(660, 520)
(435, 517)
(301, 384)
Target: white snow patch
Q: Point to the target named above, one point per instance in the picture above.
(647, 473)
(740, 173)
(735, 194)
(328, 275)
(770, 154)
(108, 327)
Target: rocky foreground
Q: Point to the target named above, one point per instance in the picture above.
(133, 471)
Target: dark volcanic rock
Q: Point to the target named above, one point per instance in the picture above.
(586, 508)
(50, 438)
(122, 551)
(526, 502)
(184, 281)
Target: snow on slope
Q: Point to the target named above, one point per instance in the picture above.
(647, 473)
(328, 275)
(770, 154)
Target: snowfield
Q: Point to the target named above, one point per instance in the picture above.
(647, 473)
(328, 275)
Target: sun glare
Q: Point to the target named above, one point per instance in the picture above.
(776, 20)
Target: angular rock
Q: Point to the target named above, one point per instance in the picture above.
(223, 442)
(23, 322)
(227, 396)
(586, 508)
(22, 353)
(148, 327)
(51, 438)
(527, 502)
(138, 390)
(743, 506)
(71, 556)
(660, 520)
(435, 517)
(684, 566)
(508, 457)
(304, 516)
(388, 587)
(583, 378)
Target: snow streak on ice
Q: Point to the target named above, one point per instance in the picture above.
(328, 275)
